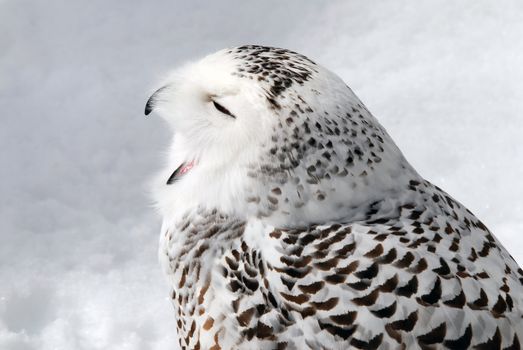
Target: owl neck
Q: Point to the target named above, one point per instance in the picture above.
(334, 174)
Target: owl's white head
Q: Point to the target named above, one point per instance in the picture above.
(266, 132)
(218, 118)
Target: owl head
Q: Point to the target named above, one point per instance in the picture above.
(267, 133)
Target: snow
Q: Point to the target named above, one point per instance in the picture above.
(78, 259)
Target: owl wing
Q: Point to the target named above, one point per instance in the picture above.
(374, 284)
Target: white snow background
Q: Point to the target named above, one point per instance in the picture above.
(78, 236)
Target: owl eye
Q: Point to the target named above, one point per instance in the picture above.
(222, 109)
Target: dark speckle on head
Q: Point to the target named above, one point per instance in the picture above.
(279, 68)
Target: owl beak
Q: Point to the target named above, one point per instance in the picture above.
(149, 106)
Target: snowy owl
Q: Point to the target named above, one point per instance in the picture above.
(291, 220)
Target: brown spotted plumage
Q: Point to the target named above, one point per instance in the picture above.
(292, 221)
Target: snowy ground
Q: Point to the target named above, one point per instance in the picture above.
(78, 266)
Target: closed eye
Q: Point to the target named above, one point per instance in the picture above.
(222, 109)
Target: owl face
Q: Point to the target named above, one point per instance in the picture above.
(217, 117)
(221, 124)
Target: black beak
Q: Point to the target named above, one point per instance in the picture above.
(149, 106)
